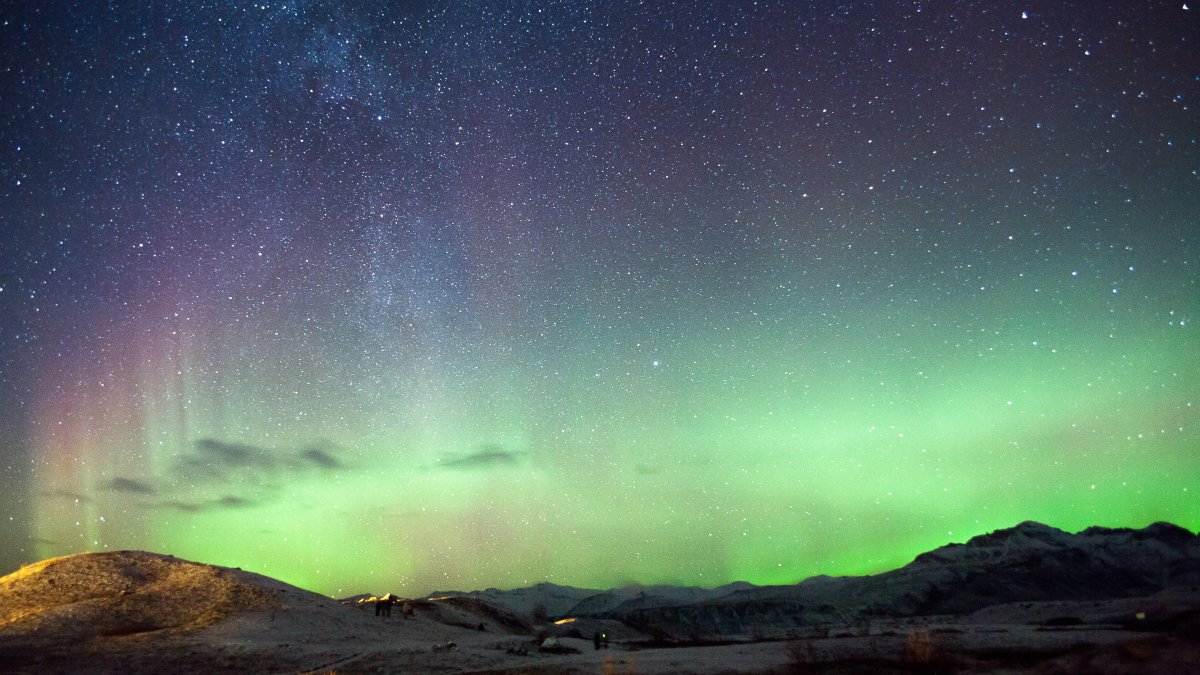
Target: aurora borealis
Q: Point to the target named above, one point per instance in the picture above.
(430, 295)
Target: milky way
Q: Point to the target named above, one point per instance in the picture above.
(409, 296)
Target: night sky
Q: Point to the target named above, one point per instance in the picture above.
(429, 295)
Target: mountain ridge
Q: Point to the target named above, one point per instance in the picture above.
(1030, 562)
(142, 612)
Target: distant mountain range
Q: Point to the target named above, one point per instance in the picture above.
(562, 601)
(1126, 600)
(1027, 563)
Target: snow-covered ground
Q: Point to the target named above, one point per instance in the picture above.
(135, 612)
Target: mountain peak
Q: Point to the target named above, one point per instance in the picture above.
(1168, 532)
(1026, 530)
(1032, 526)
(1164, 530)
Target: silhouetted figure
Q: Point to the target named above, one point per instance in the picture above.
(378, 606)
(388, 601)
(604, 638)
(596, 640)
(407, 610)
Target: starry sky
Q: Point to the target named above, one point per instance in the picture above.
(423, 295)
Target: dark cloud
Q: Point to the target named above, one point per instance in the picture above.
(216, 459)
(234, 468)
(131, 485)
(233, 454)
(320, 457)
(218, 462)
(231, 502)
(226, 502)
(488, 456)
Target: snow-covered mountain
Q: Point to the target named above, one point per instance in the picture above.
(635, 596)
(1029, 562)
(555, 600)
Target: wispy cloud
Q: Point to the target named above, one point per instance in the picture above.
(320, 457)
(186, 507)
(486, 457)
(226, 502)
(214, 461)
(231, 502)
(132, 486)
(216, 475)
(233, 454)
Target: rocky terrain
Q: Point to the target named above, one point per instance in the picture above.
(1029, 598)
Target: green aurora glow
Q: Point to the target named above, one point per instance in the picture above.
(851, 318)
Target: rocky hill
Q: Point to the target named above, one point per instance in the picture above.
(134, 611)
(128, 592)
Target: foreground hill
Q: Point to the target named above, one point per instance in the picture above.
(121, 593)
(139, 611)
